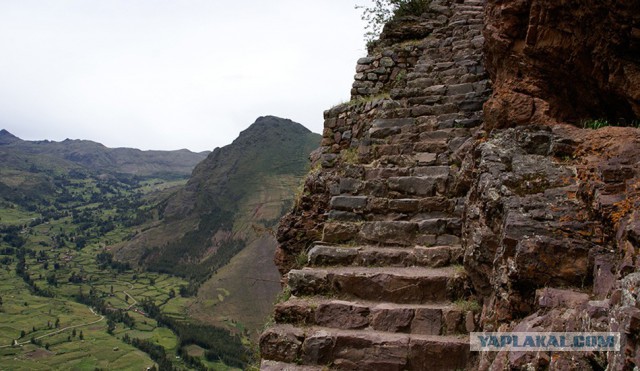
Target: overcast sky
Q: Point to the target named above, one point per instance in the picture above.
(171, 74)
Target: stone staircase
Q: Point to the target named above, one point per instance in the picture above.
(384, 289)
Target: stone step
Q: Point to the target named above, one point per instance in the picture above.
(433, 109)
(375, 173)
(388, 232)
(421, 205)
(389, 284)
(423, 180)
(466, 7)
(267, 365)
(439, 226)
(397, 160)
(429, 232)
(422, 319)
(422, 154)
(421, 163)
(426, 185)
(424, 207)
(431, 145)
(370, 256)
(340, 349)
(429, 223)
(418, 158)
(446, 134)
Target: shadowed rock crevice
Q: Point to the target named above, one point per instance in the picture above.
(562, 61)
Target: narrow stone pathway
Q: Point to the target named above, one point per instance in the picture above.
(385, 289)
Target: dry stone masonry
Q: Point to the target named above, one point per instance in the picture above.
(372, 252)
(431, 211)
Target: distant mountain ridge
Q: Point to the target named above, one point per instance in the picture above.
(94, 156)
(7, 138)
(33, 172)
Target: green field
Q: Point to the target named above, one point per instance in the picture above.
(13, 216)
(52, 257)
(60, 347)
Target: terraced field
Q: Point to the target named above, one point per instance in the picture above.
(47, 264)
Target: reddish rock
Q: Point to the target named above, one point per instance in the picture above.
(427, 321)
(391, 319)
(400, 233)
(534, 48)
(453, 321)
(293, 311)
(343, 315)
(426, 354)
(317, 348)
(339, 232)
(552, 298)
(281, 343)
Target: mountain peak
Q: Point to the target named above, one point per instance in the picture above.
(7, 138)
(267, 123)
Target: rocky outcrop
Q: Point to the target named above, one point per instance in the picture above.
(562, 61)
(550, 226)
(550, 218)
(371, 253)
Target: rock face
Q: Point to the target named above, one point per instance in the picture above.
(548, 230)
(562, 60)
(427, 168)
(552, 210)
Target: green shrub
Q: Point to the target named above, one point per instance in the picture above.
(382, 11)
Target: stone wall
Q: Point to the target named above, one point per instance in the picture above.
(444, 87)
(381, 72)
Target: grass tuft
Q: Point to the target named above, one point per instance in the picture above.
(595, 124)
(468, 305)
(350, 156)
(599, 123)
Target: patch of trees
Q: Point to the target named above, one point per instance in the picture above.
(11, 228)
(380, 12)
(52, 280)
(99, 304)
(190, 290)
(177, 257)
(219, 343)
(191, 361)
(21, 271)
(7, 251)
(105, 259)
(14, 239)
(156, 352)
(76, 278)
